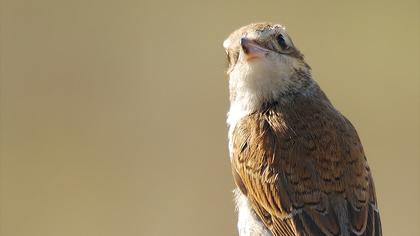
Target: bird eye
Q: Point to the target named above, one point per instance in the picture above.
(282, 42)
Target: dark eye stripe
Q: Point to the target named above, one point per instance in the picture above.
(227, 59)
(232, 57)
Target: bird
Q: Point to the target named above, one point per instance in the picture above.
(298, 164)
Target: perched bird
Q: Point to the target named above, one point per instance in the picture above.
(297, 162)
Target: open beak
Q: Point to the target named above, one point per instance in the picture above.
(252, 50)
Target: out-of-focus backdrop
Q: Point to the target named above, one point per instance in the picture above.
(113, 112)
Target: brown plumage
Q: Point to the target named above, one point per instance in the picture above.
(298, 161)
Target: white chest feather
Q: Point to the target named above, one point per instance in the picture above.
(248, 222)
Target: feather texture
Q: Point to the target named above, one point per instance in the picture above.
(303, 169)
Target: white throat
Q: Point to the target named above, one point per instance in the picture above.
(255, 83)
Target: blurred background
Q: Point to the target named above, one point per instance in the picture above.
(113, 112)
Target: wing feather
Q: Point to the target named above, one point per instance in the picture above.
(304, 172)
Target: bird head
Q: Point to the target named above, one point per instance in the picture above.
(263, 61)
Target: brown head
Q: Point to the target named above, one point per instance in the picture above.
(264, 63)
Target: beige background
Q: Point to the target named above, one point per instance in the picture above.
(113, 113)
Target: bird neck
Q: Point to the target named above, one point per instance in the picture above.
(251, 96)
(245, 100)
